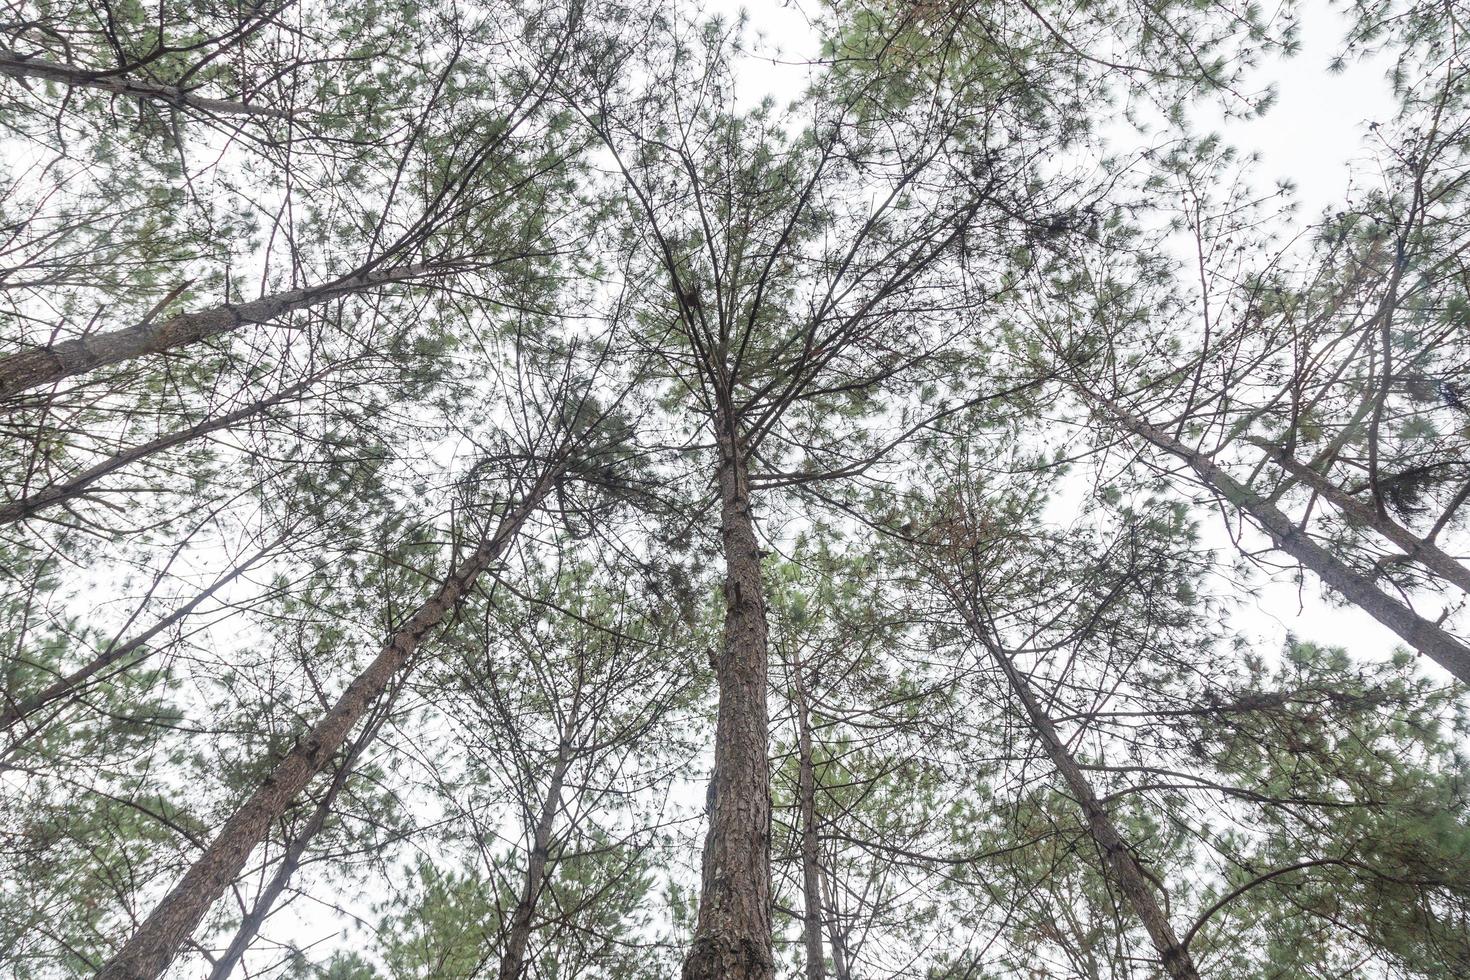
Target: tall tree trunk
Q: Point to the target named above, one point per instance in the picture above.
(47, 365)
(513, 960)
(1119, 863)
(811, 867)
(75, 486)
(1427, 637)
(157, 941)
(261, 910)
(732, 939)
(1416, 549)
(23, 66)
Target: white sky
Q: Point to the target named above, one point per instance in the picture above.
(1320, 120)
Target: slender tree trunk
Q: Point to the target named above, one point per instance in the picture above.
(1119, 863)
(835, 936)
(156, 942)
(47, 365)
(513, 960)
(261, 910)
(811, 868)
(74, 487)
(1429, 638)
(732, 940)
(1417, 549)
(73, 682)
(23, 66)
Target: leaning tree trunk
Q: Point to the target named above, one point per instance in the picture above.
(261, 910)
(513, 959)
(156, 942)
(1427, 637)
(57, 362)
(1416, 549)
(1119, 863)
(811, 867)
(732, 939)
(295, 850)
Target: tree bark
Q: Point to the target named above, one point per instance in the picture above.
(261, 910)
(71, 488)
(732, 939)
(1428, 638)
(156, 942)
(17, 65)
(1416, 549)
(811, 868)
(513, 959)
(1119, 863)
(47, 365)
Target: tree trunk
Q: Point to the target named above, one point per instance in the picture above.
(732, 940)
(835, 936)
(1417, 549)
(1425, 636)
(512, 961)
(157, 941)
(1119, 863)
(250, 925)
(22, 66)
(47, 365)
(811, 868)
(71, 488)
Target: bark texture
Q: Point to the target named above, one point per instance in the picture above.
(732, 939)
(156, 942)
(19, 65)
(1427, 637)
(513, 959)
(57, 362)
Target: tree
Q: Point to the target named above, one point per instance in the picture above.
(556, 451)
(1319, 394)
(567, 688)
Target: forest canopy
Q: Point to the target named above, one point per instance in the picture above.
(499, 488)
